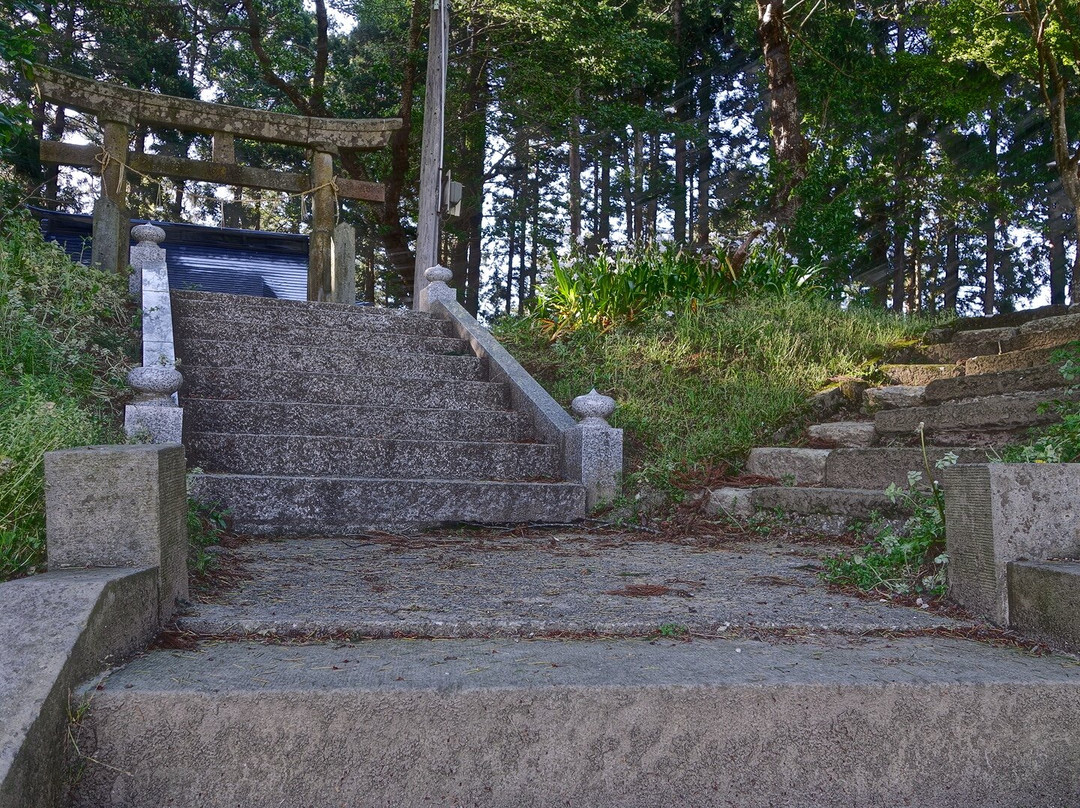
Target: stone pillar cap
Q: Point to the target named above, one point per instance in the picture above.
(147, 232)
(593, 406)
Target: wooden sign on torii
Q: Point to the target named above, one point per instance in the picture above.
(331, 252)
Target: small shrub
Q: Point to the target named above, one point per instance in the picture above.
(909, 561)
(602, 291)
(1059, 442)
(205, 524)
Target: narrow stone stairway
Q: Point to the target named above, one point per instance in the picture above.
(969, 390)
(318, 418)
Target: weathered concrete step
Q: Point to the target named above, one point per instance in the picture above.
(617, 723)
(1012, 360)
(307, 456)
(251, 313)
(1052, 332)
(384, 391)
(1012, 319)
(846, 434)
(1004, 413)
(873, 468)
(878, 468)
(1044, 601)
(853, 502)
(292, 334)
(328, 359)
(341, 506)
(1045, 377)
(221, 298)
(893, 396)
(913, 374)
(352, 421)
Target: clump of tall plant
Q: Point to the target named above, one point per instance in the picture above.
(622, 286)
(64, 341)
(1058, 442)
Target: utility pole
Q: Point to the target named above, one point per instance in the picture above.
(427, 235)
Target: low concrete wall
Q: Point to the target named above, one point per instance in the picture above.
(116, 522)
(1001, 512)
(56, 630)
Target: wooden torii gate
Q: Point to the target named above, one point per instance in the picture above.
(332, 253)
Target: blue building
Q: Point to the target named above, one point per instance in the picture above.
(207, 259)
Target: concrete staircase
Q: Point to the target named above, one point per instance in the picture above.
(970, 389)
(323, 418)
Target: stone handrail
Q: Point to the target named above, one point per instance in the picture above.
(590, 451)
(153, 417)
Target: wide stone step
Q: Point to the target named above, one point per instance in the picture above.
(1043, 377)
(617, 723)
(320, 359)
(384, 391)
(878, 468)
(352, 421)
(307, 456)
(854, 502)
(341, 506)
(913, 374)
(291, 334)
(873, 468)
(252, 313)
(1012, 360)
(1000, 414)
(1052, 332)
(1044, 601)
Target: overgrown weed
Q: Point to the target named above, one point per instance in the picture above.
(65, 340)
(699, 385)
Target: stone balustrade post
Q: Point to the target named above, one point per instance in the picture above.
(153, 417)
(596, 447)
(437, 288)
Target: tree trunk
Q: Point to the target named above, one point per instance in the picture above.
(678, 195)
(791, 149)
(990, 222)
(395, 240)
(574, 167)
(952, 266)
(899, 257)
(1057, 203)
(705, 159)
(603, 213)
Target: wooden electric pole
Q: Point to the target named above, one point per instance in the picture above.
(427, 230)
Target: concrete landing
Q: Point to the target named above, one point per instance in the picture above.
(830, 722)
(442, 585)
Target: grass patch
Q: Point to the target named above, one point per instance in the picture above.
(698, 386)
(65, 339)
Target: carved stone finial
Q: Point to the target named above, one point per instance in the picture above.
(593, 408)
(438, 274)
(155, 385)
(147, 232)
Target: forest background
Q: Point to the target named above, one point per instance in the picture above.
(918, 154)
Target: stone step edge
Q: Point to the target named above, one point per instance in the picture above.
(426, 481)
(745, 502)
(197, 433)
(362, 353)
(225, 299)
(426, 411)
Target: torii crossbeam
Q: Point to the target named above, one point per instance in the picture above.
(331, 257)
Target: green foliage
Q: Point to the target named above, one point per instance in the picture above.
(63, 338)
(602, 291)
(205, 526)
(1059, 442)
(700, 385)
(911, 560)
